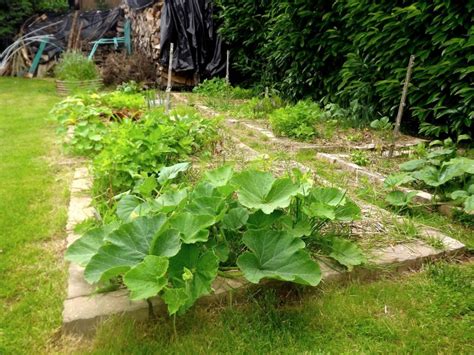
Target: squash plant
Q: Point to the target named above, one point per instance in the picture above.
(172, 239)
(441, 170)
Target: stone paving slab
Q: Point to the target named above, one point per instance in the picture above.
(83, 313)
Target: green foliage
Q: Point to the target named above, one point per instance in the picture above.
(173, 240)
(296, 121)
(13, 13)
(360, 157)
(382, 124)
(357, 51)
(136, 150)
(89, 114)
(259, 108)
(218, 87)
(74, 66)
(440, 170)
(130, 87)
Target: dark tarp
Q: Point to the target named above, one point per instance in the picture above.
(94, 25)
(140, 4)
(197, 47)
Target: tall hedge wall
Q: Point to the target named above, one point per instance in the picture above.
(347, 50)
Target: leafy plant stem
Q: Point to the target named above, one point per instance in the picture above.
(151, 312)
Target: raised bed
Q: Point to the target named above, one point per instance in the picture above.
(84, 310)
(68, 87)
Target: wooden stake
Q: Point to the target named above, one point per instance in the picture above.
(398, 121)
(168, 87)
(227, 67)
(71, 33)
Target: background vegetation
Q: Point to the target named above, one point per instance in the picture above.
(13, 13)
(357, 51)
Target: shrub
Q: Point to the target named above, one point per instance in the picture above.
(75, 66)
(348, 50)
(218, 87)
(296, 121)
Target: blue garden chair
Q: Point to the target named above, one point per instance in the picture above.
(126, 40)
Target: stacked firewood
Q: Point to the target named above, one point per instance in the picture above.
(146, 28)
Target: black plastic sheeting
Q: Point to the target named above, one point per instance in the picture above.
(197, 47)
(140, 4)
(94, 25)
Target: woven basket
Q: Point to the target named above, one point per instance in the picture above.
(68, 87)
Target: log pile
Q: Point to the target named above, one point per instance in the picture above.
(146, 28)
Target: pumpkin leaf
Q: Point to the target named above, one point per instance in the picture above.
(147, 278)
(260, 190)
(277, 255)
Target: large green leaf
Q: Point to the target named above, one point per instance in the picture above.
(166, 243)
(329, 203)
(413, 165)
(235, 218)
(260, 190)
(469, 204)
(192, 227)
(260, 220)
(399, 198)
(171, 172)
(147, 278)
(430, 175)
(83, 249)
(395, 180)
(175, 298)
(277, 255)
(455, 168)
(220, 176)
(170, 200)
(212, 206)
(146, 186)
(346, 253)
(193, 271)
(127, 246)
(130, 207)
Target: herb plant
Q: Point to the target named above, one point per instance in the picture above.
(74, 66)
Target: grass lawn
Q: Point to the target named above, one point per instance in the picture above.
(427, 312)
(33, 211)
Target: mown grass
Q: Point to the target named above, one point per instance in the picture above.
(426, 313)
(32, 216)
(429, 312)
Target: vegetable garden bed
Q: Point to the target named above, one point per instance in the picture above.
(356, 232)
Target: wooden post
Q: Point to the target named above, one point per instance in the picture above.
(168, 87)
(72, 31)
(227, 67)
(396, 130)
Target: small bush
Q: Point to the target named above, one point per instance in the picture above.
(296, 121)
(218, 87)
(75, 67)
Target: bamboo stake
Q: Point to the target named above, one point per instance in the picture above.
(168, 87)
(227, 67)
(396, 130)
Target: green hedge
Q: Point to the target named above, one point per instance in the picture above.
(350, 50)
